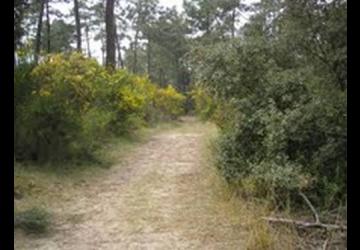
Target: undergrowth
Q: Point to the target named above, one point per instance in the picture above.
(246, 210)
(33, 221)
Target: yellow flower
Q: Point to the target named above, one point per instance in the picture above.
(44, 93)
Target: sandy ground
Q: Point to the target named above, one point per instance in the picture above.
(159, 197)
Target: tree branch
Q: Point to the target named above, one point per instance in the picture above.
(326, 244)
(316, 215)
(305, 224)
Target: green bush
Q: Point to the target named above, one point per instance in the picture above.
(283, 129)
(169, 102)
(64, 90)
(130, 98)
(288, 140)
(35, 220)
(23, 87)
(68, 105)
(204, 104)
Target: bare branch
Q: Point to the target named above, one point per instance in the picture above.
(316, 215)
(305, 224)
(326, 243)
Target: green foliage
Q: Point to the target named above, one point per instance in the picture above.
(130, 98)
(61, 36)
(215, 19)
(284, 101)
(160, 55)
(23, 86)
(169, 102)
(35, 220)
(287, 138)
(204, 103)
(68, 105)
(19, 11)
(64, 90)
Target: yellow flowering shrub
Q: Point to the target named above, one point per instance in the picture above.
(130, 97)
(65, 88)
(72, 77)
(169, 102)
(73, 103)
(204, 103)
(137, 95)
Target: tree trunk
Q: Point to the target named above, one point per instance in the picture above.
(233, 24)
(38, 32)
(135, 51)
(120, 60)
(179, 76)
(103, 51)
(87, 39)
(110, 35)
(78, 26)
(161, 77)
(149, 58)
(207, 23)
(48, 27)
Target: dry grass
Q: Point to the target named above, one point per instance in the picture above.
(248, 211)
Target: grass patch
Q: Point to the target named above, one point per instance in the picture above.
(33, 221)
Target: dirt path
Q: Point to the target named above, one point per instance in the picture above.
(160, 197)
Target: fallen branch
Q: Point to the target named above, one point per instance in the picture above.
(326, 243)
(316, 215)
(305, 224)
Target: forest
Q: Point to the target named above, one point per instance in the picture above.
(222, 122)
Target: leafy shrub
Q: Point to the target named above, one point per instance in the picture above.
(68, 105)
(138, 100)
(35, 220)
(204, 103)
(284, 142)
(23, 86)
(65, 87)
(283, 129)
(131, 99)
(169, 102)
(225, 114)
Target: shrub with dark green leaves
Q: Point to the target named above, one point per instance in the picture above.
(35, 220)
(204, 103)
(23, 86)
(285, 130)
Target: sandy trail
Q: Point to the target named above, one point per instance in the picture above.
(159, 197)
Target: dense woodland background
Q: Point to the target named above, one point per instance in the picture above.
(275, 86)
